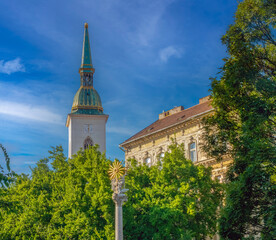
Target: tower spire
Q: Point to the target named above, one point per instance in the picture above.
(86, 70)
(86, 122)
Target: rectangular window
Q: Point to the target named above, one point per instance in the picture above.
(148, 161)
(219, 178)
(193, 155)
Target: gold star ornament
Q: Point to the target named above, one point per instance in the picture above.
(116, 170)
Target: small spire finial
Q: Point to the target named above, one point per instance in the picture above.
(86, 60)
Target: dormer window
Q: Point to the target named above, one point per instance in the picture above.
(192, 151)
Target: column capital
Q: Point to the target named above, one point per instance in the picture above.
(119, 199)
(119, 191)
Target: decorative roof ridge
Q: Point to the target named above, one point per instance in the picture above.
(87, 87)
(144, 132)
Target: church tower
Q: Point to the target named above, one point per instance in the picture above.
(86, 122)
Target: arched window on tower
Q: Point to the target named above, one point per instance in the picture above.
(87, 142)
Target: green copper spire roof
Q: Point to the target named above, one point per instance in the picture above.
(86, 53)
(86, 60)
(87, 101)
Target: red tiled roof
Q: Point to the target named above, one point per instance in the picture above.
(172, 119)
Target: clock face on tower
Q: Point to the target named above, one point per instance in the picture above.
(87, 128)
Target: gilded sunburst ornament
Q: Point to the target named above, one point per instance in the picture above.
(116, 170)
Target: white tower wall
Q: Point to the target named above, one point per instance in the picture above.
(81, 126)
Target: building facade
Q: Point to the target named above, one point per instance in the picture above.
(86, 123)
(184, 126)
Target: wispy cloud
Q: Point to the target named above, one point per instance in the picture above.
(113, 102)
(11, 66)
(30, 162)
(35, 113)
(121, 130)
(168, 52)
(148, 25)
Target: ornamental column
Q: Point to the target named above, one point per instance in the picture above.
(116, 173)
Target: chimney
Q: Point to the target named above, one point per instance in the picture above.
(204, 99)
(170, 112)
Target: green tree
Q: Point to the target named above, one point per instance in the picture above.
(243, 125)
(175, 200)
(62, 200)
(71, 199)
(5, 178)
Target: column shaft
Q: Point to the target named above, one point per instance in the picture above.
(118, 222)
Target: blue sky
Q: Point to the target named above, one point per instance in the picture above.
(149, 56)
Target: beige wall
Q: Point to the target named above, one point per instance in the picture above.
(151, 147)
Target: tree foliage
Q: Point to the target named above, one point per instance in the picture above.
(243, 125)
(175, 200)
(62, 200)
(72, 199)
(5, 178)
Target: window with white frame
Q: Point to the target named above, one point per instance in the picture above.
(192, 151)
(160, 158)
(148, 161)
(219, 178)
